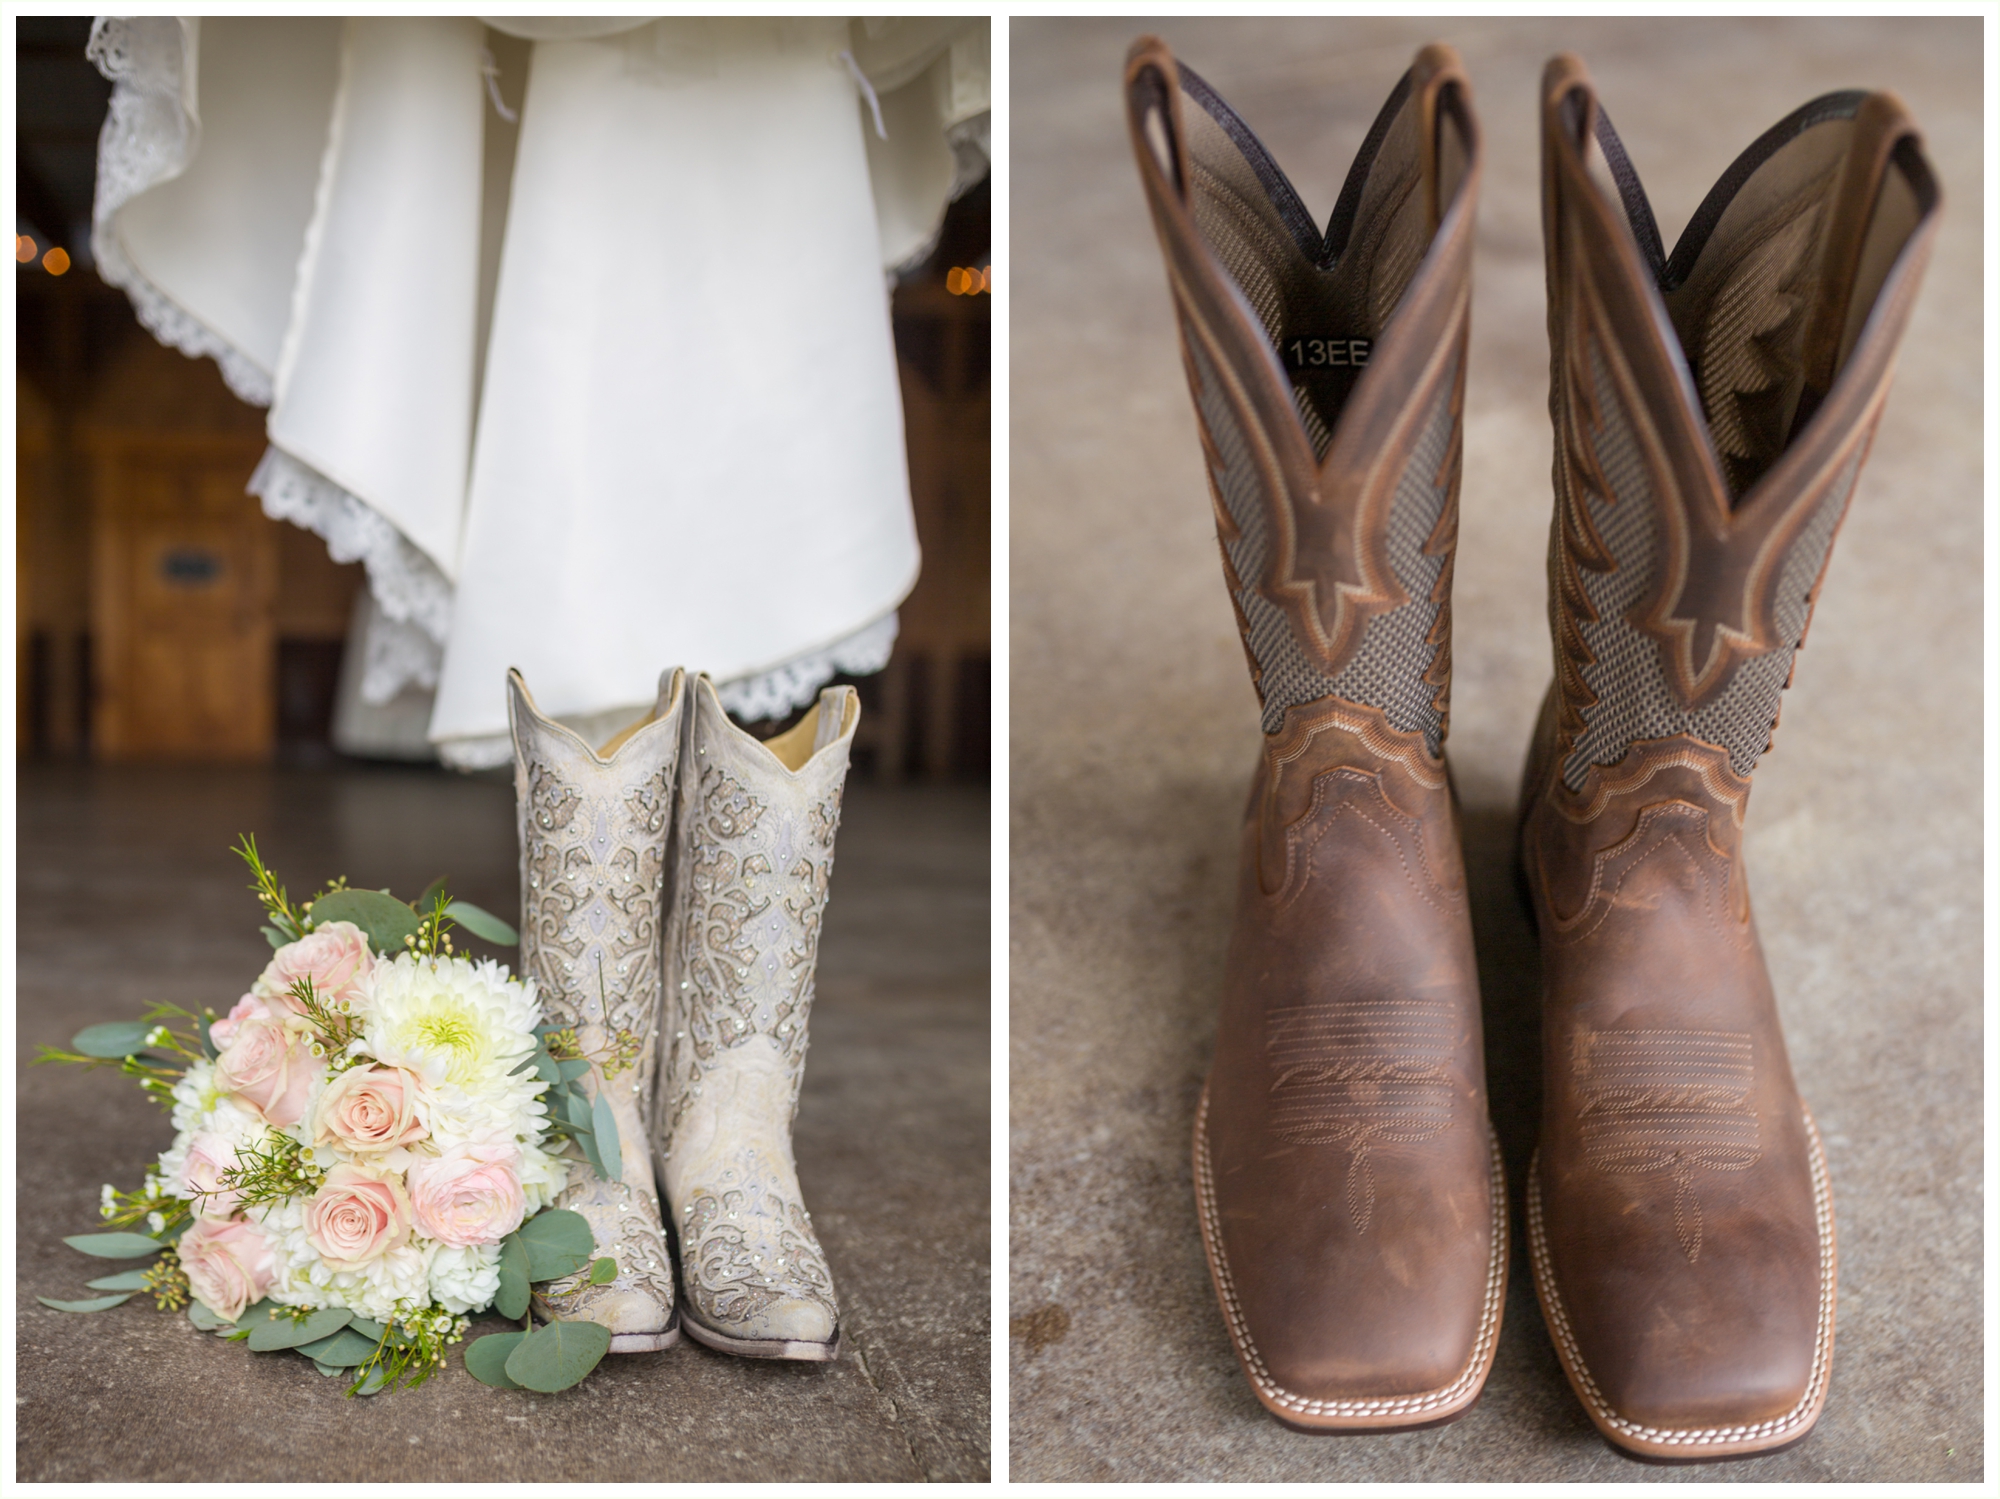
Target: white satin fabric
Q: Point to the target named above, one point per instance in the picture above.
(608, 390)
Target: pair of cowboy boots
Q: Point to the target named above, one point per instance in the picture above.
(672, 884)
(1711, 412)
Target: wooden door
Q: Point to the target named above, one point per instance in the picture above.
(183, 602)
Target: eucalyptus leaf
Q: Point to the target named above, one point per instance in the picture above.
(329, 1370)
(275, 937)
(206, 1320)
(115, 1246)
(431, 892)
(128, 1280)
(95, 1304)
(586, 1143)
(573, 1069)
(558, 1355)
(578, 1108)
(385, 920)
(343, 1350)
(253, 1317)
(482, 924)
(512, 1298)
(208, 1047)
(113, 1040)
(610, 1165)
(603, 1270)
(546, 1065)
(372, 1329)
(283, 1332)
(486, 1358)
(558, 1243)
(373, 1382)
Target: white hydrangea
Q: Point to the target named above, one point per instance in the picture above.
(463, 1279)
(200, 1108)
(304, 1279)
(542, 1176)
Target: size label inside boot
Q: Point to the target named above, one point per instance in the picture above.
(1325, 353)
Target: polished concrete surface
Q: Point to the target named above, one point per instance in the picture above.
(128, 895)
(1134, 733)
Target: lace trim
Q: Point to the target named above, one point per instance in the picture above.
(769, 694)
(776, 692)
(405, 642)
(148, 138)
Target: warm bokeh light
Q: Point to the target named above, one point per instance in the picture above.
(963, 281)
(986, 278)
(24, 248)
(56, 261)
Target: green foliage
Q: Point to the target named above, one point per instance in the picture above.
(558, 1355)
(558, 1243)
(297, 1327)
(290, 922)
(482, 924)
(125, 1280)
(271, 1171)
(95, 1304)
(333, 1021)
(603, 1270)
(486, 1358)
(110, 1042)
(115, 1246)
(386, 921)
(512, 1299)
(206, 1320)
(346, 1349)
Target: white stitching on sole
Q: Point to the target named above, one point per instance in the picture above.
(1431, 1400)
(1800, 1416)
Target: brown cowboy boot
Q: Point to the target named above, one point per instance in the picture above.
(1711, 413)
(1347, 1180)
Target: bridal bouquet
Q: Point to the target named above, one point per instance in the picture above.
(364, 1150)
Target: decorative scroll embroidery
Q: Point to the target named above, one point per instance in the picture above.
(1668, 1101)
(1358, 1073)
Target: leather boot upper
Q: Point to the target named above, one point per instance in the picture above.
(1346, 1179)
(1712, 410)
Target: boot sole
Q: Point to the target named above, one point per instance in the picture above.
(779, 1348)
(1361, 1415)
(630, 1342)
(1710, 1444)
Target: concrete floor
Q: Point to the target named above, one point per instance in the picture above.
(1134, 733)
(129, 895)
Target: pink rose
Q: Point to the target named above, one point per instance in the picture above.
(357, 1216)
(335, 958)
(249, 1007)
(229, 1264)
(270, 1067)
(208, 1156)
(469, 1195)
(369, 1109)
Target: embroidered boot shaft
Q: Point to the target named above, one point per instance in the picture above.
(1711, 413)
(594, 840)
(1348, 1184)
(754, 855)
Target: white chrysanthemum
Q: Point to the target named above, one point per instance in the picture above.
(463, 1028)
(305, 1279)
(465, 1279)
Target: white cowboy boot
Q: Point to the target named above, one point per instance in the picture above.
(594, 827)
(753, 855)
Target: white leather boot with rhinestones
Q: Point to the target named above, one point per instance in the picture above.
(594, 830)
(752, 859)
